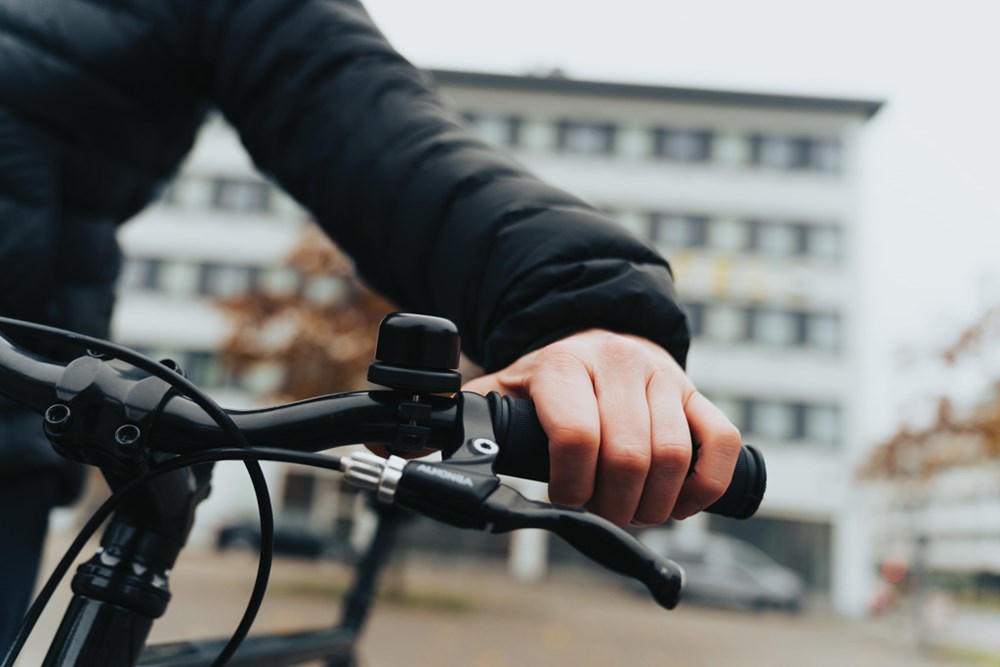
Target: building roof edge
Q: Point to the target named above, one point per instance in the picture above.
(562, 84)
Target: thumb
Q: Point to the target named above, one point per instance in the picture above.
(484, 384)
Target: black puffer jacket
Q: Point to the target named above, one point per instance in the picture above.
(101, 99)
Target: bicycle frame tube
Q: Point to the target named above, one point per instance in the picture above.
(94, 632)
(336, 645)
(123, 588)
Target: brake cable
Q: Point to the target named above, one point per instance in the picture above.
(188, 389)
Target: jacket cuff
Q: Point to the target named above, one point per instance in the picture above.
(612, 294)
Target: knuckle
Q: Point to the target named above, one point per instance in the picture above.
(561, 353)
(617, 347)
(627, 462)
(571, 439)
(665, 368)
(729, 438)
(710, 491)
(673, 456)
(703, 490)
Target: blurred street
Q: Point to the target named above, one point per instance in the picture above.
(464, 613)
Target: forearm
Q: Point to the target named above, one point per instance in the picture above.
(433, 218)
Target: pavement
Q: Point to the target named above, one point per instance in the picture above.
(468, 613)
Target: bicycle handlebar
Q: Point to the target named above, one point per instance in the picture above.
(344, 419)
(479, 436)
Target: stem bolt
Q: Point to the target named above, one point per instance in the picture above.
(57, 416)
(127, 435)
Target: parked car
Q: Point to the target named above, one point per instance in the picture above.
(290, 539)
(726, 571)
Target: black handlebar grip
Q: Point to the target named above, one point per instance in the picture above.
(524, 452)
(746, 490)
(524, 447)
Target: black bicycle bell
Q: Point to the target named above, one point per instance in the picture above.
(417, 353)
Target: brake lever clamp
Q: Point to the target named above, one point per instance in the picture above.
(453, 491)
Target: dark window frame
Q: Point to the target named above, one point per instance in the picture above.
(804, 152)
(661, 142)
(146, 273)
(694, 221)
(694, 311)
(223, 198)
(512, 125)
(799, 413)
(565, 128)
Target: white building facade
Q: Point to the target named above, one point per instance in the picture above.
(753, 199)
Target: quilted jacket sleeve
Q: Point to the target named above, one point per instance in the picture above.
(434, 218)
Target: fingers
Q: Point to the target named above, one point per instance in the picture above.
(563, 392)
(719, 446)
(620, 413)
(484, 384)
(670, 444)
(624, 459)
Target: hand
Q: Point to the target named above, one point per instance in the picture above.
(620, 414)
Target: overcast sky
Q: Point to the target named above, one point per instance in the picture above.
(931, 211)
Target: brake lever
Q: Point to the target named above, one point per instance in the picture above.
(593, 536)
(464, 491)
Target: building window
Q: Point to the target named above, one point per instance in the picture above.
(325, 290)
(241, 195)
(825, 155)
(772, 327)
(225, 280)
(765, 325)
(141, 273)
(678, 231)
(793, 239)
(179, 278)
(825, 242)
(496, 129)
(727, 235)
(773, 239)
(280, 281)
(297, 496)
(682, 145)
(724, 322)
(822, 331)
(204, 368)
(695, 312)
(822, 424)
(586, 138)
(785, 421)
(772, 420)
(776, 152)
(795, 153)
